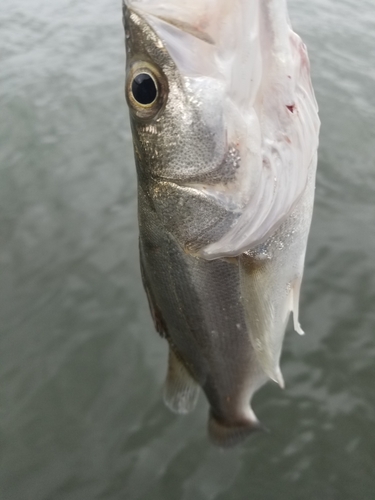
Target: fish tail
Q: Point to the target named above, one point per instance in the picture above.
(228, 434)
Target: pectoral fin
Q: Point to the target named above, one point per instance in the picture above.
(157, 317)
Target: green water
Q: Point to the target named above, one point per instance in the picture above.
(81, 368)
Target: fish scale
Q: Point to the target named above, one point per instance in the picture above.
(225, 152)
(211, 341)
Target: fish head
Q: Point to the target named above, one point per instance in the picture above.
(178, 125)
(221, 90)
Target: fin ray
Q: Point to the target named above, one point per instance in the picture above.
(180, 389)
(267, 310)
(296, 289)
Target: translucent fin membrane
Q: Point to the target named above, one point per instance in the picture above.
(180, 390)
(267, 304)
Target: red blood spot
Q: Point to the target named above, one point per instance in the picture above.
(291, 108)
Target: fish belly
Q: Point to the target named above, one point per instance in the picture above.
(196, 305)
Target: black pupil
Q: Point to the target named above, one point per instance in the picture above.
(144, 89)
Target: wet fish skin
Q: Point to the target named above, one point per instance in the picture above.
(205, 327)
(222, 309)
(194, 301)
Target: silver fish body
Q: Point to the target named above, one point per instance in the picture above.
(225, 193)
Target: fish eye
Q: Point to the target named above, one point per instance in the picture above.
(144, 89)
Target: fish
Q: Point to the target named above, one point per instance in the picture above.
(225, 131)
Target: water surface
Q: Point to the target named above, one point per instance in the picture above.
(81, 368)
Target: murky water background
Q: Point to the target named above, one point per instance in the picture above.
(81, 367)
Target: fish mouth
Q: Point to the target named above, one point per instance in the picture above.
(188, 28)
(187, 41)
(181, 25)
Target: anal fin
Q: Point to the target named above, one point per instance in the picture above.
(180, 389)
